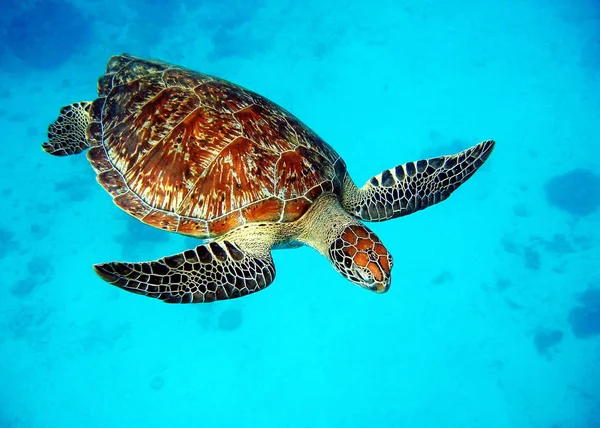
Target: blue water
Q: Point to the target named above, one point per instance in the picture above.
(493, 317)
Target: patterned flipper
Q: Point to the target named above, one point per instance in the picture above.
(215, 271)
(415, 185)
(68, 134)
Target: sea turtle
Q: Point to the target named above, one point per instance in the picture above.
(200, 156)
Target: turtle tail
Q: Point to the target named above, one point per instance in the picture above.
(68, 134)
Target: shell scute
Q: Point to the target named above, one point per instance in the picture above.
(113, 182)
(267, 128)
(105, 84)
(117, 62)
(169, 169)
(161, 219)
(223, 96)
(137, 69)
(129, 202)
(176, 77)
(266, 210)
(192, 227)
(225, 224)
(298, 170)
(97, 157)
(314, 193)
(295, 208)
(239, 176)
(135, 98)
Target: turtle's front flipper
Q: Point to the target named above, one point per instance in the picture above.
(413, 186)
(215, 271)
(68, 134)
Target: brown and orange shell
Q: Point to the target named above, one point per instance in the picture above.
(197, 155)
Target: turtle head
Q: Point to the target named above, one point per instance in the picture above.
(358, 254)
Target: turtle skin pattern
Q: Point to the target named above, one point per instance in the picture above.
(414, 186)
(215, 271)
(67, 135)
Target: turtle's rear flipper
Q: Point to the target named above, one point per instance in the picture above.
(67, 135)
(415, 185)
(215, 271)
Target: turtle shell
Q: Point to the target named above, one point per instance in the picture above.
(197, 155)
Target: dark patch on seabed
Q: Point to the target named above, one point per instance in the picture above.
(157, 383)
(138, 235)
(576, 192)
(230, 319)
(227, 25)
(38, 272)
(30, 323)
(546, 340)
(8, 243)
(43, 34)
(585, 317)
(71, 190)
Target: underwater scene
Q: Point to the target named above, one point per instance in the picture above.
(492, 317)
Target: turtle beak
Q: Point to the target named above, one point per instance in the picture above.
(380, 287)
(370, 283)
